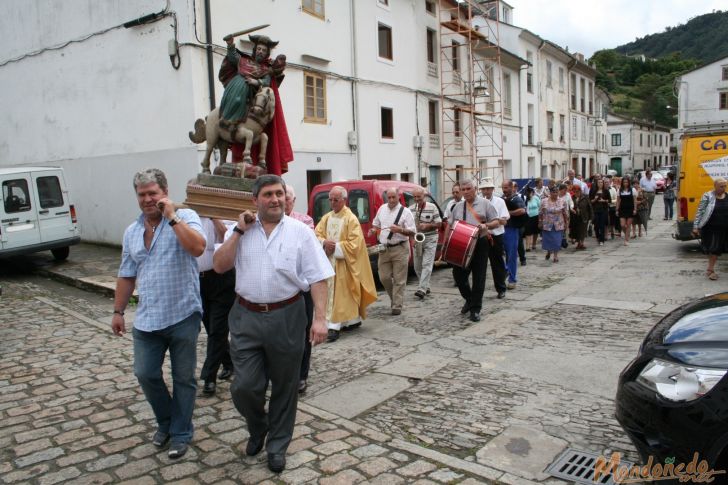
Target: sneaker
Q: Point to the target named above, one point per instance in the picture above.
(511, 285)
(160, 439)
(177, 450)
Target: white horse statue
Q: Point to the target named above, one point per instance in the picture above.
(249, 132)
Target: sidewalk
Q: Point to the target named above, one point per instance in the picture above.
(89, 266)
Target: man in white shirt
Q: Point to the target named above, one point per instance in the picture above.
(217, 292)
(427, 221)
(276, 258)
(573, 180)
(649, 186)
(495, 253)
(456, 197)
(395, 224)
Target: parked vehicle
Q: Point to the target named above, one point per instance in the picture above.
(364, 199)
(698, 147)
(672, 399)
(36, 213)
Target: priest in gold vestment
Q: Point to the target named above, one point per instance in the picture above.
(352, 288)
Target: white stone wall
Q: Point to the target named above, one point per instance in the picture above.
(698, 98)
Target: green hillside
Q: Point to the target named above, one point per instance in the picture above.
(704, 38)
(644, 89)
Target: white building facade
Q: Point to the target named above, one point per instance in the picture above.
(636, 145)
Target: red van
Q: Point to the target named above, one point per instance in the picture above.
(364, 199)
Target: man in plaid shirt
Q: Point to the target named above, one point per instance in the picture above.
(158, 257)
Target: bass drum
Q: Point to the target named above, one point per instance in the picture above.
(460, 245)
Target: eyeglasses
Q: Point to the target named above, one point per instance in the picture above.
(334, 199)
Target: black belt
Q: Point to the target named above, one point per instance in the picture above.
(267, 307)
(209, 272)
(396, 244)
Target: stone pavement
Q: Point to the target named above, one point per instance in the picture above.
(424, 397)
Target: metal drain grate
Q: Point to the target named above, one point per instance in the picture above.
(578, 466)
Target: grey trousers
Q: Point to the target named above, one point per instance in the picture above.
(424, 258)
(263, 347)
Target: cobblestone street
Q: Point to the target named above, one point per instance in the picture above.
(423, 397)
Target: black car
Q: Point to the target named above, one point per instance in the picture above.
(672, 399)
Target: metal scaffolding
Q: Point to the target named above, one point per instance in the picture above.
(471, 106)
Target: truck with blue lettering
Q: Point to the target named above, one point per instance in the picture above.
(704, 158)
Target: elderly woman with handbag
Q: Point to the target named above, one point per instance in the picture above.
(553, 219)
(711, 224)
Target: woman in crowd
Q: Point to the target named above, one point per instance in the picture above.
(582, 215)
(600, 199)
(643, 213)
(626, 206)
(668, 197)
(553, 219)
(613, 219)
(533, 205)
(540, 189)
(711, 224)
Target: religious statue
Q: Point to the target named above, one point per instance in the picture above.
(250, 117)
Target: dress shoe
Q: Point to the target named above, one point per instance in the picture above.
(333, 335)
(160, 439)
(177, 450)
(209, 388)
(351, 327)
(225, 374)
(396, 311)
(276, 462)
(420, 294)
(465, 309)
(474, 316)
(501, 295)
(523, 262)
(255, 444)
(302, 385)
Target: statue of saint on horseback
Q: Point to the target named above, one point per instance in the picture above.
(250, 112)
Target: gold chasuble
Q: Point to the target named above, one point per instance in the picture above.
(353, 284)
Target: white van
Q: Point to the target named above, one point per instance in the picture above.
(36, 213)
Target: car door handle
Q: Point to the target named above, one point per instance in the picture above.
(43, 212)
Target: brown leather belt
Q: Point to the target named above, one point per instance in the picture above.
(267, 307)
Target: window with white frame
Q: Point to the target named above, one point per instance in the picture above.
(432, 114)
(562, 128)
(507, 108)
(550, 126)
(573, 92)
(723, 100)
(591, 98)
(385, 41)
(430, 6)
(387, 126)
(616, 139)
(561, 79)
(313, 7)
(457, 128)
(529, 72)
(724, 69)
(574, 132)
(548, 74)
(314, 98)
(431, 45)
(583, 129)
(582, 93)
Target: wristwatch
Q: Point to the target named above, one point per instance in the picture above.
(238, 230)
(177, 219)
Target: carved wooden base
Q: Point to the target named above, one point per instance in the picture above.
(220, 197)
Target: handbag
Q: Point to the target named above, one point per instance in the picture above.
(564, 243)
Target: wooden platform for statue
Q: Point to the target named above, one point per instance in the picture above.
(220, 197)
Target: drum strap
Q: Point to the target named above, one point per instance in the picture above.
(478, 218)
(396, 220)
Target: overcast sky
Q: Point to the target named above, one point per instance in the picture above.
(587, 26)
